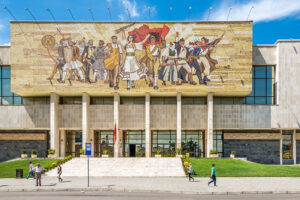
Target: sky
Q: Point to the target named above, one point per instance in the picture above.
(272, 19)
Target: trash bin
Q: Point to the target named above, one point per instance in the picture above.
(19, 173)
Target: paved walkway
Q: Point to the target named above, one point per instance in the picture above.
(172, 185)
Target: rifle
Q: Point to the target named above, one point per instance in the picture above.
(123, 28)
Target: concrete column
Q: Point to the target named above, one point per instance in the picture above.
(280, 146)
(85, 118)
(147, 126)
(178, 128)
(210, 127)
(54, 132)
(116, 121)
(294, 147)
(63, 143)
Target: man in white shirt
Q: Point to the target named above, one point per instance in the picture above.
(38, 170)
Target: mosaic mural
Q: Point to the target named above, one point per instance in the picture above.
(131, 58)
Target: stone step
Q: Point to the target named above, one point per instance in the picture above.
(137, 167)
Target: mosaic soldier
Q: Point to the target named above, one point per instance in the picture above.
(98, 66)
(88, 59)
(132, 70)
(113, 62)
(169, 62)
(152, 61)
(207, 63)
(60, 61)
(183, 54)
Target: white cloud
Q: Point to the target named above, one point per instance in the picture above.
(264, 10)
(131, 6)
(121, 17)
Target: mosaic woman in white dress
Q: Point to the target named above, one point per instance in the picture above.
(132, 70)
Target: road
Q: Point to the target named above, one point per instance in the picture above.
(110, 195)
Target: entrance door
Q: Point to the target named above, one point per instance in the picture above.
(132, 150)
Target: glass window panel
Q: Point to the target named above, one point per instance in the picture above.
(270, 83)
(199, 100)
(40, 100)
(270, 71)
(227, 100)
(157, 100)
(5, 72)
(217, 100)
(96, 100)
(77, 100)
(249, 100)
(170, 100)
(6, 91)
(270, 100)
(260, 87)
(126, 100)
(139, 100)
(28, 100)
(259, 72)
(17, 100)
(260, 100)
(108, 100)
(7, 100)
(187, 100)
(239, 100)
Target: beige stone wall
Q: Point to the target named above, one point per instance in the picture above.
(32, 65)
(101, 116)
(252, 136)
(23, 136)
(163, 117)
(70, 116)
(132, 117)
(25, 117)
(264, 55)
(4, 55)
(193, 117)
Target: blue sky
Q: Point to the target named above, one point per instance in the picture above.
(273, 19)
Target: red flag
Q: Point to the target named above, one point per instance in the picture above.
(115, 133)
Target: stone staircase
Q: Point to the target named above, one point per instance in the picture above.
(118, 167)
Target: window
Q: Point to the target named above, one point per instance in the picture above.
(229, 100)
(163, 100)
(102, 100)
(193, 100)
(70, 100)
(192, 142)
(36, 100)
(218, 142)
(6, 96)
(287, 144)
(165, 142)
(104, 141)
(133, 100)
(134, 139)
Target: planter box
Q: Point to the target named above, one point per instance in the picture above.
(232, 156)
(104, 156)
(23, 156)
(178, 156)
(51, 156)
(82, 156)
(214, 156)
(157, 156)
(33, 156)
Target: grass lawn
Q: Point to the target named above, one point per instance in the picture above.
(237, 168)
(8, 169)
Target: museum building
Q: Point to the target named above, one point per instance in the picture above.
(262, 126)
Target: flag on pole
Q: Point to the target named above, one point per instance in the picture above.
(115, 133)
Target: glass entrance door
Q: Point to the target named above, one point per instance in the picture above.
(73, 143)
(287, 144)
(192, 142)
(104, 143)
(134, 143)
(165, 142)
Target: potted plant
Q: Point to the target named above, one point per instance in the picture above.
(214, 154)
(51, 153)
(33, 154)
(179, 152)
(82, 153)
(157, 154)
(232, 155)
(23, 154)
(187, 155)
(105, 154)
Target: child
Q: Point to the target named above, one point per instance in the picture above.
(190, 172)
(213, 175)
(30, 170)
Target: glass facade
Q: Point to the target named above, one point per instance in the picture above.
(6, 96)
(165, 142)
(218, 142)
(193, 100)
(132, 100)
(70, 100)
(287, 144)
(104, 141)
(192, 142)
(36, 100)
(163, 100)
(102, 100)
(134, 143)
(73, 143)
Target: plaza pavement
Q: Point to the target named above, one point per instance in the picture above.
(163, 184)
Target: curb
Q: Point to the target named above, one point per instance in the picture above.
(141, 190)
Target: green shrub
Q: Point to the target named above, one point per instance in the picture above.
(33, 152)
(213, 152)
(179, 151)
(24, 151)
(233, 152)
(82, 151)
(158, 152)
(51, 151)
(105, 152)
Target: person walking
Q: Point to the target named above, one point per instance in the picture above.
(30, 170)
(59, 172)
(38, 170)
(213, 175)
(190, 172)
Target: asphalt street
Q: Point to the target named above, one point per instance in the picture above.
(111, 195)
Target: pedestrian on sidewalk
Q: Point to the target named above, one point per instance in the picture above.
(213, 175)
(191, 172)
(30, 170)
(38, 170)
(59, 172)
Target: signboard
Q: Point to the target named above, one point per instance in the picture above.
(88, 149)
(131, 58)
